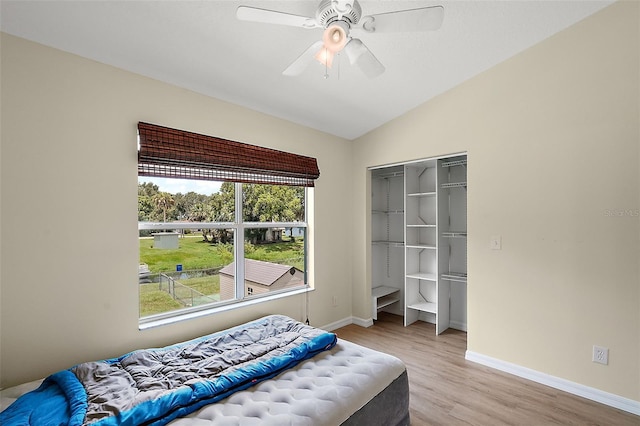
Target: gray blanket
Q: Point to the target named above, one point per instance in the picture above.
(154, 386)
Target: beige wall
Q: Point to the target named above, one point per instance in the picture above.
(553, 139)
(553, 142)
(69, 185)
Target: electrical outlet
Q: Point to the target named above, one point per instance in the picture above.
(334, 301)
(600, 355)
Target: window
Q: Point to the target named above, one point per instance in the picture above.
(213, 233)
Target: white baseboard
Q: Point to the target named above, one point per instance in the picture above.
(362, 322)
(346, 321)
(612, 400)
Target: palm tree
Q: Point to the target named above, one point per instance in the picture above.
(200, 212)
(164, 201)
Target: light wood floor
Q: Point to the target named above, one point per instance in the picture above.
(448, 390)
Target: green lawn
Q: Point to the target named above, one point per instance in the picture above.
(192, 253)
(290, 253)
(154, 301)
(206, 285)
(195, 254)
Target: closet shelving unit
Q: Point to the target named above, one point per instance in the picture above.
(421, 243)
(387, 217)
(452, 240)
(420, 206)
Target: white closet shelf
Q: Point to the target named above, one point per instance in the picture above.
(424, 307)
(421, 246)
(460, 277)
(388, 211)
(420, 225)
(383, 290)
(388, 243)
(426, 276)
(384, 302)
(422, 194)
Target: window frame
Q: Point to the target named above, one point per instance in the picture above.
(238, 226)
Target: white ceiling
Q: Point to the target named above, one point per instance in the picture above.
(201, 46)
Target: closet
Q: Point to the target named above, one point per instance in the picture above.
(419, 241)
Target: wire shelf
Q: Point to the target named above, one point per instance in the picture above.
(454, 163)
(454, 185)
(452, 234)
(389, 175)
(460, 277)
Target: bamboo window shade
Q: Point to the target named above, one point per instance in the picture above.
(171, 153)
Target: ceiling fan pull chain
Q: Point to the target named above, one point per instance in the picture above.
(326, 66)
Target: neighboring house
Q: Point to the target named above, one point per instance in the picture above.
(273, 235)
(259, 277)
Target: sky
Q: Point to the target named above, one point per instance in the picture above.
(173, 186)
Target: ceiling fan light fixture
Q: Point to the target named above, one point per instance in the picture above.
(355, 50)
(335, 36)
(325, 57)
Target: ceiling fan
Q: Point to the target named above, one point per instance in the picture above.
(338, 18)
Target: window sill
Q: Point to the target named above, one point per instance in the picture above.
(151, 322)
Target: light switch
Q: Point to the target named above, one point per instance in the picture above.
(496, 242)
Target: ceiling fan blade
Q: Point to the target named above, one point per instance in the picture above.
(254, 14)
(361, 56)
(412, 20)
(303, 60)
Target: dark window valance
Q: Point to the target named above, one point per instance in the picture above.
(166, 152)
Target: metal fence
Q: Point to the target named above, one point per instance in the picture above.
(180, 292)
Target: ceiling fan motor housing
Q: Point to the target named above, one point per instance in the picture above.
(328, 13)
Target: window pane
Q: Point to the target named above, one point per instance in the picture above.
(180, 264)
(181, 268)
(181, 200)
(272, 203)
(276, 262)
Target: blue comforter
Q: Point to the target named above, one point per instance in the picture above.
(155, 386)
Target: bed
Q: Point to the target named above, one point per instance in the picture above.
(323, 381)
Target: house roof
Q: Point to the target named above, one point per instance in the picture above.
(265, 273)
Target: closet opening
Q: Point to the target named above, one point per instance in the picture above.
(419, 241)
